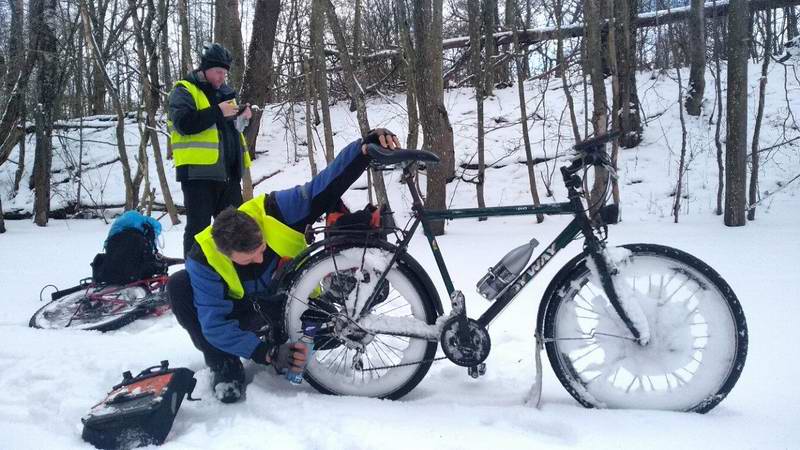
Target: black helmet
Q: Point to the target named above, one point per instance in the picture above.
(215, 55)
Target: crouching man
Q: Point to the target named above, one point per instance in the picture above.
(234, 259)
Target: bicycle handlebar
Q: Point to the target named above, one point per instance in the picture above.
(590, 146)
(387, 156)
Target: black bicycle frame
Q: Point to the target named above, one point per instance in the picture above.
(580, 224)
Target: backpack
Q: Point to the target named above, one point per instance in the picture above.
(131, 252)
(140, 410)
(370, 221)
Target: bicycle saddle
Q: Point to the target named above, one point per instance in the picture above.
(382, 155)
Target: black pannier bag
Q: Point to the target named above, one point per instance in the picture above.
(130, 256)
(140, 410)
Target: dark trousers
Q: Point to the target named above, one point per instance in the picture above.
(203, 200)
(181, 298)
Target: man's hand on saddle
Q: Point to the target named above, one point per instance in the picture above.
(382, 137)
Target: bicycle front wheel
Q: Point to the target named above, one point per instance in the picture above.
(349, 360)
(98, 308)
(698, 334)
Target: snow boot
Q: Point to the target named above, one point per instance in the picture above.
(227, 380)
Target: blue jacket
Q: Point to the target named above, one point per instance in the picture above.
(296, 207)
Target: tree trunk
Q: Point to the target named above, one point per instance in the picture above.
(356, 93)
(436, 126)
(562, 71)
(163, 30)
(520, 55)
(718, 127)
(594, 64)
(409, 56)
(47, 81)
(697, 58)
(736, 142)
(258, 74)
(762, 87)
(630, 122)
(791, 22)
(309, 99)
(186, 47)
(320, 77)
(489, 7)
(676, 204)
(2, 219)
(21, 160)
(228, 32)
(148, 69)
(131, 197)
(16, 47)
(478, 79)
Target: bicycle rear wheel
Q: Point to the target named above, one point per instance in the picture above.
(103, 308)
(698, 342)
(348, 359)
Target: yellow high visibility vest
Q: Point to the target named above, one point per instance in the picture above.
(201, 148)
(283, 240)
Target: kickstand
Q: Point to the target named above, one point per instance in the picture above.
(535, 394)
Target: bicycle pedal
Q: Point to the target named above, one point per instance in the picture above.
(477, 371)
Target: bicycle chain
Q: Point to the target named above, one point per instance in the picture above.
(405, 364)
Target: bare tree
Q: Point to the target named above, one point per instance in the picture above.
(320, 78)
(521, 55)
(16, 45)
(716, 24)
(42, 12)
(627, 109)
(676, 204)
(258, 74)
(148, 69)
(436, 126)
(791, 22)
(186, 48)
(131, 197)
(697, 58)
(489, 11)
(228, 32)
(409, 71)
(562, 70)
(593, 63)
(736, 141)
(2, 218)
(762, 87)
(356, 93)
(309, 98)
(478, 80)
(15, 85)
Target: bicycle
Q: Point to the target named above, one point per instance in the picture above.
(104, 307)
(636, 326)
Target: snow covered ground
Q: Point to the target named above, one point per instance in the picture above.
(49, 379)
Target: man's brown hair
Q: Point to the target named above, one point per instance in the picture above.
(235, 231)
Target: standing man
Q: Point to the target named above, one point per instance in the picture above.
(210, 152)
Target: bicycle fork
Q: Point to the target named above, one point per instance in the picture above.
(629, 311)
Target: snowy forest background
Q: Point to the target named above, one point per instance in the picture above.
(705, 96)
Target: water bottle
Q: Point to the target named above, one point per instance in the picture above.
(504, 272)
(309, 331)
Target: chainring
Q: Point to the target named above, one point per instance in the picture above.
(466, 348)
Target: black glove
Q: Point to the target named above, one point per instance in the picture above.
(373, 137)
(288, 355)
